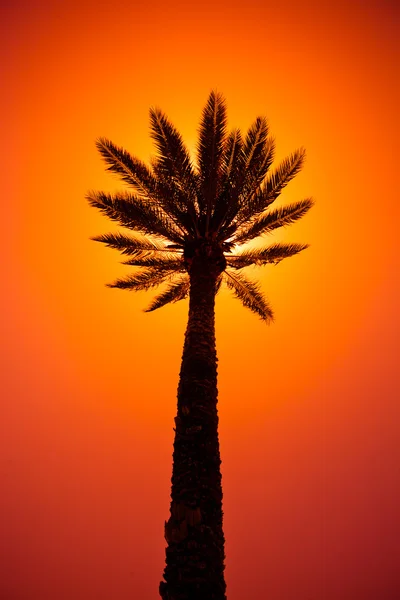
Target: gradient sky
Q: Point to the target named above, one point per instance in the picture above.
(308, 406)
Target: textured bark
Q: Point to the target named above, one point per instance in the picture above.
(195, 552)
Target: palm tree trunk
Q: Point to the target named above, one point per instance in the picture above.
(195, 552)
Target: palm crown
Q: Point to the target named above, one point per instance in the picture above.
(177, 208)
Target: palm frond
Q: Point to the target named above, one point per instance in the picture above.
(253, 155)
(288, 169)
(131, 170)
(129, 245)
(264, 197)
(167, 262)
(249, 294)
(159, 189)
(210, 149)
(181, 207)
(256, 157)
(232, 154)
(258, 169)
(177, 290)
(136, 214)
(142, 280)
(231, 166)
(272, 220)
(173, 158)
(254, 149)
(261, 256)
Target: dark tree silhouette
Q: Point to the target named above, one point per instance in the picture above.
(189, 221)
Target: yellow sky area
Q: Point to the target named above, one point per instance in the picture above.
(313, 94)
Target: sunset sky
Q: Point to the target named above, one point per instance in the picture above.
(309, 406)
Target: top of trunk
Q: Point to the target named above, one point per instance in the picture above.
(204, 255)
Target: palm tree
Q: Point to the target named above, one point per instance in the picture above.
(189, 222)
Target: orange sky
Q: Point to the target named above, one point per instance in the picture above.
(308, 406)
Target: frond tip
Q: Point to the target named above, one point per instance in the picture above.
(249, 294)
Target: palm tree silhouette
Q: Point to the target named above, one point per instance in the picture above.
(189, 222)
